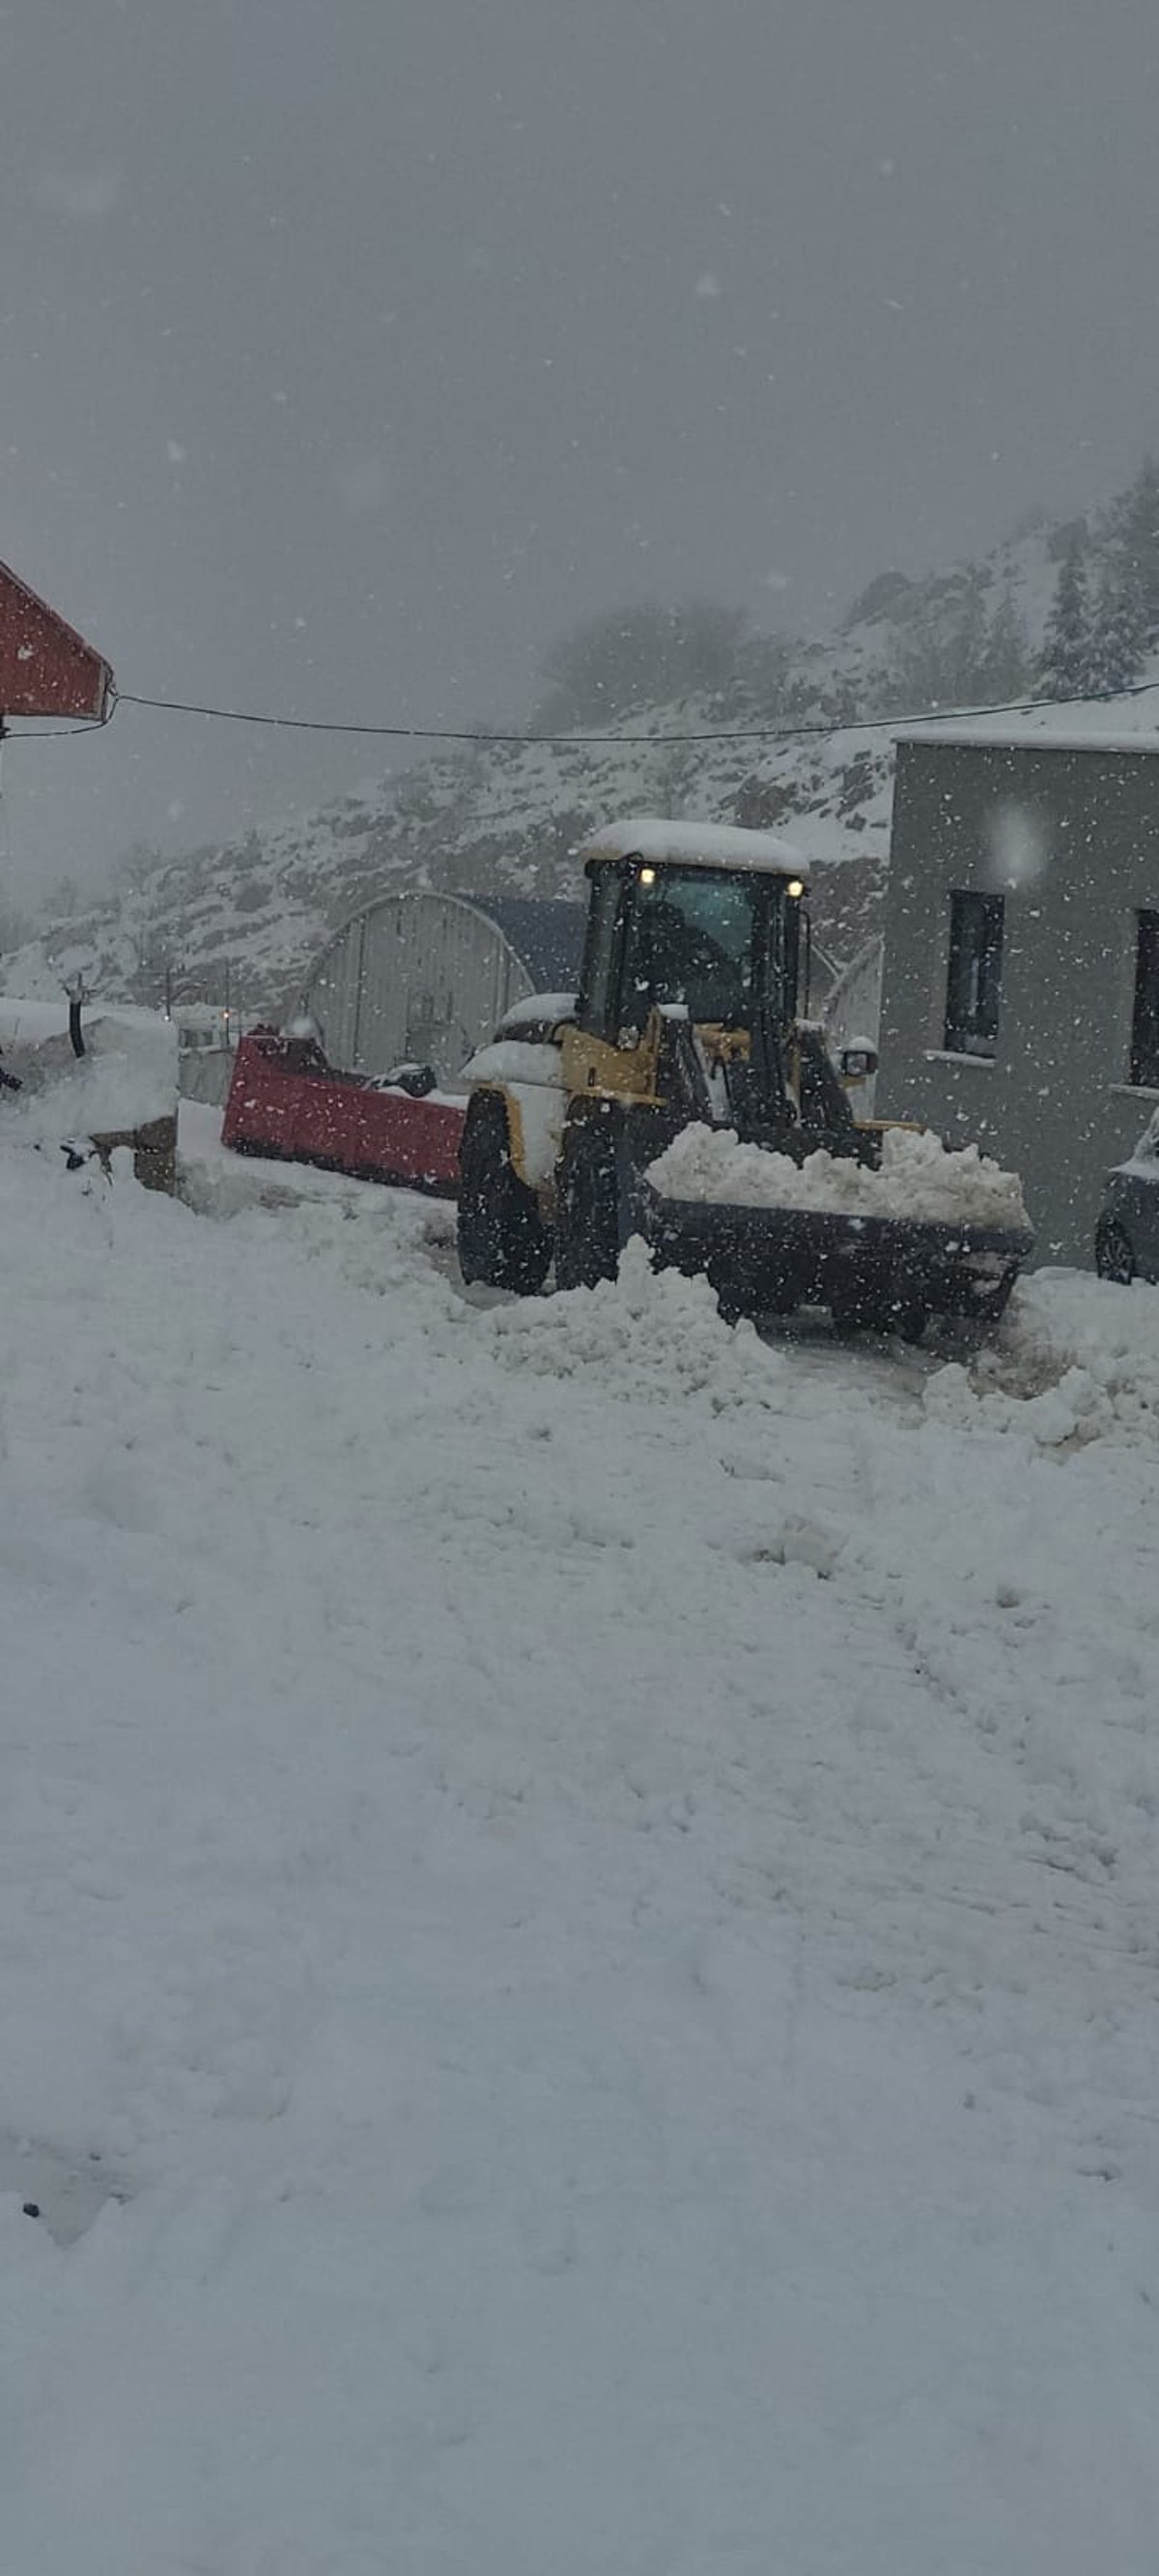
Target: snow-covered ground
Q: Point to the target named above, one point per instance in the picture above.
(578, 1934)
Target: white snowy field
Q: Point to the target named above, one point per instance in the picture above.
(579, 1966)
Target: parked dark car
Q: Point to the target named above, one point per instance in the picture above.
(1127, 1233)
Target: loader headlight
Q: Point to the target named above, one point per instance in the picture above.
(795, 889)
(647, 876)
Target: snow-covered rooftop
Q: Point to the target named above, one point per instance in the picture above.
(1045, 728)
(712, 845)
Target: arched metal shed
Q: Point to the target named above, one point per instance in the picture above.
(427, 977)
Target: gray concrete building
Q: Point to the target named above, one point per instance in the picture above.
(1020, 991)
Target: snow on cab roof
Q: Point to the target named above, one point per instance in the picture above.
(712, 845)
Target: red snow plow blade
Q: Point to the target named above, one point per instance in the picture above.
(286, 1101)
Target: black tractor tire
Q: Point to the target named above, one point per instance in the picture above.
(587, 1218)
(503, 1241)
(1114, 1252)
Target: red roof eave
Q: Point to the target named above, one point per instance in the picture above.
(46, 667)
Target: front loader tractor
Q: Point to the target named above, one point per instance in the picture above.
(687, 1015)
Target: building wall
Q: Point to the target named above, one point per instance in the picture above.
(1070, 838)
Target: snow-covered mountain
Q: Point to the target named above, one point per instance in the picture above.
(247, 918)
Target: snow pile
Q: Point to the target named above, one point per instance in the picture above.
(920, 1178)
(1074, 1409)
(218, 1182)
(126, 1078)
(372, 1238)
(639, 1333)
(1077, 1361)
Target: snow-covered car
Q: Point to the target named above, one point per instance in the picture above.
(1127, 1233)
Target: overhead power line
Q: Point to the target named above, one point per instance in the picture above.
(52, 733)
(820, 730)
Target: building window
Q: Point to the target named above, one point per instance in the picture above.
(974, 980)
(1145, 1021)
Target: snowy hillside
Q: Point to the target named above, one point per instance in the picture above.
(578, 1918)
(248, 918)
(505, 820)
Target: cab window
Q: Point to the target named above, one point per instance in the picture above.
(692, 941)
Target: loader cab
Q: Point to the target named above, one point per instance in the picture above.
(698, 939)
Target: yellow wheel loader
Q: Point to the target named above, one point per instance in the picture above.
(687, 1016)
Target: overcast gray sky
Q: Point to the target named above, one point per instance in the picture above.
(353, 349)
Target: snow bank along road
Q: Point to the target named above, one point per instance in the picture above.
(579, 1960)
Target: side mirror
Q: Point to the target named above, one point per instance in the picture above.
(856, 1063)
